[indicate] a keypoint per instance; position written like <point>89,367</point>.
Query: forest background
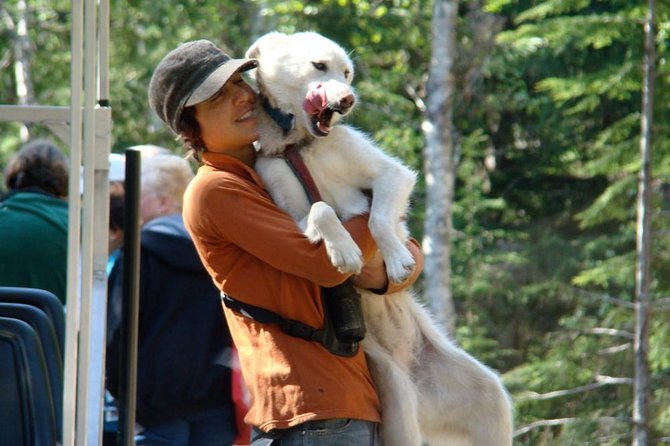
<point>546,125</point>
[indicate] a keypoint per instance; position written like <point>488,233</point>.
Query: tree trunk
<point>439,165</point>
<point>22,52</point>
<point>643,267</point>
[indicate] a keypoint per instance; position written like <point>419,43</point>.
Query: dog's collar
<point>285,121</point>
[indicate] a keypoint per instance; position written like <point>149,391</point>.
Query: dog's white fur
<point>430,389</point>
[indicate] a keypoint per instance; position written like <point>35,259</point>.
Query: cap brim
<point>217,79</point>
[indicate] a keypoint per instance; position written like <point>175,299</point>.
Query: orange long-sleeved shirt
<point>256,253</point>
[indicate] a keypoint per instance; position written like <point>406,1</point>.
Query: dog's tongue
<point>315,100</point>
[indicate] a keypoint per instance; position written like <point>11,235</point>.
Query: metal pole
<point>130,306</point>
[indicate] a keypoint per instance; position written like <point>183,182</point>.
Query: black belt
<point>327,336</point>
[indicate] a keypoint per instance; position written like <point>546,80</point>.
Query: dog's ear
<point>265,43</point>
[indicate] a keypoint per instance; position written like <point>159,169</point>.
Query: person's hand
<point>373,275</point>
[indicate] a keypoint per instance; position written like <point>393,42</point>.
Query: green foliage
<point>578,64</point>
<point>547,119</point>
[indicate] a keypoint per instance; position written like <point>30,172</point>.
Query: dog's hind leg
<point>397,393</point>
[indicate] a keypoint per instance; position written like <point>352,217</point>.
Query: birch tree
<point>22,54</point>
<point>643,266</point>
<point>439,165</point>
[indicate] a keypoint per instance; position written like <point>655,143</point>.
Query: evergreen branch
<point>543,423</point>
<point>656,303</point>
<point>562,421</point>
<point>605,297</point>
<point>412,93</point>
<point>601,381</point>
<point>604,379</point>
<point>610,332</point>
<point>615,349</point>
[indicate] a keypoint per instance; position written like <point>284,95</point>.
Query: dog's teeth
<point>322,127</point>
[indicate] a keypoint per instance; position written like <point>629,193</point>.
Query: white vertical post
<point>97,134</point>
<point>103,49</point>
<point>85,412</point>
<point>100,235</point>
<point>98,307</point>
<point>74,224</point>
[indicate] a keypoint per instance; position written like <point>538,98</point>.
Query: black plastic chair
<point>40,322</point>
<point>45,300</point>
<point>27,416</point>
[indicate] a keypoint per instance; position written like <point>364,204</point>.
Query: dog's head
<point>305,75</point>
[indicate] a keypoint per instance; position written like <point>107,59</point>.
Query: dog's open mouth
<point>320,108</point>
<point>321,122</point>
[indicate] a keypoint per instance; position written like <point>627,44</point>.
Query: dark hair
<point>117,196</point>
<point>39,165</point>
<point>190,134</point>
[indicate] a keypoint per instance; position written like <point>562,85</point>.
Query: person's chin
<point>251,126</point>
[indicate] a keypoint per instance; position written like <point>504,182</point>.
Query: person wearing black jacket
<point>184,347</point>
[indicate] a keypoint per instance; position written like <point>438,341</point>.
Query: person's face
<point>115,239</point>
<point>153,206</point>
<point>228,119</point>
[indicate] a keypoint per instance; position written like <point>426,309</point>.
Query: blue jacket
<point>183,343</point>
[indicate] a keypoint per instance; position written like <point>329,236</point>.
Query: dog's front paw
<point>345,255</point>
<point>400,265</point>
<point>322,224</point>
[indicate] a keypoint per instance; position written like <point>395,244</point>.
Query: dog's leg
<point>462,401</point>
<point>390,195</point>
<point>322,224</point>
<point>397,394</point>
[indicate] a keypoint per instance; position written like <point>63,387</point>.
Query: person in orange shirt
<point>301,392</point>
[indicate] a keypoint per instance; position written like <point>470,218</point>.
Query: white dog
<point>430,389</point>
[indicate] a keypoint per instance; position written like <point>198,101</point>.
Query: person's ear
<point>166,204</point>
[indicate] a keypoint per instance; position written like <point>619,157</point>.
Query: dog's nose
<point>347,101</point>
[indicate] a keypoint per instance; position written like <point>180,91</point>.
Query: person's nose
<point>246,94</point>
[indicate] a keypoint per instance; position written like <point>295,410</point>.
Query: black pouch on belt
<point>344,310</point>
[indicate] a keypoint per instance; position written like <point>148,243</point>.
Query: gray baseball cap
<point>191,73</point>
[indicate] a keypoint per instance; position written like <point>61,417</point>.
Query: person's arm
<point>373,276</point>
<point>225,209</point>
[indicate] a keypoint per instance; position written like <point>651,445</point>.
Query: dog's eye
<point>346,74</point>
<point>320,66</point>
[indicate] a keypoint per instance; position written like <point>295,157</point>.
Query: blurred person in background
<point>117,164</point>
<point>34,219</point>
<point>185,352</point>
